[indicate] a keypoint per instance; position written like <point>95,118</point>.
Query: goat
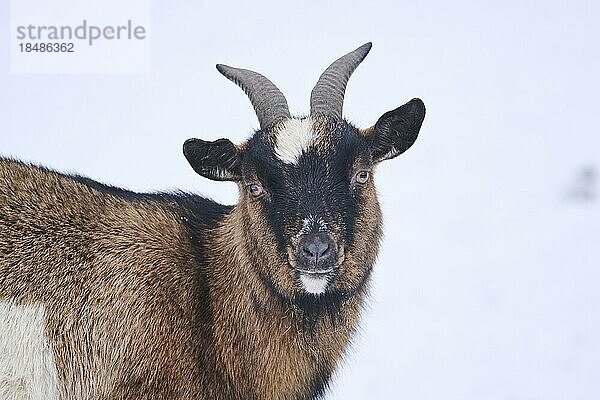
<point>111,294</point>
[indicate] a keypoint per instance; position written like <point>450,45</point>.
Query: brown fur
<point>138,307</point>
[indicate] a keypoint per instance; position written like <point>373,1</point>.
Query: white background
<point>488,282</point>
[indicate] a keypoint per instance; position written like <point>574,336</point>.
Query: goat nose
<point>316,249</point>
<point>316,252</point>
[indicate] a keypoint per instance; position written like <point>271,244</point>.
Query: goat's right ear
<point>218,160</point>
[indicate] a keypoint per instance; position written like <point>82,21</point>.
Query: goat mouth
<point>319,272</point>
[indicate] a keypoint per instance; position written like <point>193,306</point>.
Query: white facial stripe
<point>294,137</point>
<point>314,284</point>
<point>27,368</point>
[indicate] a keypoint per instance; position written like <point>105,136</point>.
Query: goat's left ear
<point>396,130</point>
<point>218,160</point>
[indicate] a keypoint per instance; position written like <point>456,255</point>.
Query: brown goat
<point>110,294</point>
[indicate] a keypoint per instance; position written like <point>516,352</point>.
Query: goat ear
<point>396,130</point>
<point>218,160</point>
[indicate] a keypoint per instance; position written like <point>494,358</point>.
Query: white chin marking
<point>27,368</point>
<point>293,138</point>
<point>314,284</point>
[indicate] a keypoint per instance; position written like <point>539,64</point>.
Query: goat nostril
<point>307,253</point>
<point>324,250</point>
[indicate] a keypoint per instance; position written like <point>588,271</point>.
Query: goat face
<point>311,218</point>
<point>308,208</point>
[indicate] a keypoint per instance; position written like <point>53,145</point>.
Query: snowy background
<point>488,283</point>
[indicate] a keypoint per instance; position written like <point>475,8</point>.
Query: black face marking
<point>318,186</point>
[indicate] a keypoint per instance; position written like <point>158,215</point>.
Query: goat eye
<point>362,177</point>
<point>255,190</point>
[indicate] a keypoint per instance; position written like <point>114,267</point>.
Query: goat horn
<point>269,103</point>
<point>327,97</point>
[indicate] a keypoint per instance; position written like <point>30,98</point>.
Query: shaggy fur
<point>107,294</point>
<point>155,296</point>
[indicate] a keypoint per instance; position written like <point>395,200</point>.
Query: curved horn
<point>327,97</point>
<point>268,101</point>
